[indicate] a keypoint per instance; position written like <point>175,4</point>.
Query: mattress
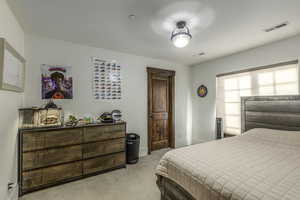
<point>262,164</point>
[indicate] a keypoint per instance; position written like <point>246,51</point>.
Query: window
<point>281,79</point>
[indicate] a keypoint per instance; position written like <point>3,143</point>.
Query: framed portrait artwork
<point>57,82</point>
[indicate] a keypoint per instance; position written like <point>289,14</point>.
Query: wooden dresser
<point>52,156</point>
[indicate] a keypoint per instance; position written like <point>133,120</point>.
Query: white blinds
<point>282,80</point>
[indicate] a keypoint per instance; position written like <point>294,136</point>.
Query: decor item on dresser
<point>85,120</point>
<point>106,118</point>
<point>106,79</point>
<point>52,156</point>
<point>40,117</point>
<point>116,115</point>
<point>12,68</point>
<point>72,121</point>
<point>202,91</point>
<point>50,104</point>
<point>57,82</point>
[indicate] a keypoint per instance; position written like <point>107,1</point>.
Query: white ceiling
<point>219,27</point>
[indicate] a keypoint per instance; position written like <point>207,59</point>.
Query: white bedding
<point>262,164</point>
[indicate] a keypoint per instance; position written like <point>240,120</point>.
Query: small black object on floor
<point>132,148</point>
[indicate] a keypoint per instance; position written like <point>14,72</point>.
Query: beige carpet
<point>136,182</point>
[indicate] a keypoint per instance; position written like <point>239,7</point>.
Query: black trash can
<point>132,148</point>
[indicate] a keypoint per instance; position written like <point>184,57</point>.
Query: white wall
<point>41,50</point>
<point>9,104</point>
<point>204,109</point>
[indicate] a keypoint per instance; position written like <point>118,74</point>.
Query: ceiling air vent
<point>199,54</point>
<point>273,28</point>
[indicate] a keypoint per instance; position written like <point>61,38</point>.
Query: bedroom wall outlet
<point>10,186</point>
<point>12,191</point>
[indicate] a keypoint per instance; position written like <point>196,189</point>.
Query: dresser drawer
<point>103,163</point>
<point>46,139</point>
<point>44,158</point>
<point>102,148</point>
<point>92,134</point>
<point>50,175</point>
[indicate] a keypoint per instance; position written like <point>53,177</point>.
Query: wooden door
<point>160,109</point>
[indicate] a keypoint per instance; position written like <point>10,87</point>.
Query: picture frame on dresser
<point>12,68</point>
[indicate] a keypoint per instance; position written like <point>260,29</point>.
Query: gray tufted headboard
<point>275,112</point>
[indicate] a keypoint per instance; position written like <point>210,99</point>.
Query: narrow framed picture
<point>106,79</point>
<point>12,68</point>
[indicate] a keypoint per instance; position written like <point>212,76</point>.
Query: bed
<point>261,164</point>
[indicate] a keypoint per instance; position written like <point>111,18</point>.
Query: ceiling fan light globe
<point>181,40</point>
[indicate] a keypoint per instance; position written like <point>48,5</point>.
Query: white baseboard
<point>143,152</point>
<point>198,141</point>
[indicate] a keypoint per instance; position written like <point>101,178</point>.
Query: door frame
<point>171,75</point>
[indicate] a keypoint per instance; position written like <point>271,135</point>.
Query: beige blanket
<point>262,164</point>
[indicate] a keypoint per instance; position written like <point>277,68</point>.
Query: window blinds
<point>279,80</point>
